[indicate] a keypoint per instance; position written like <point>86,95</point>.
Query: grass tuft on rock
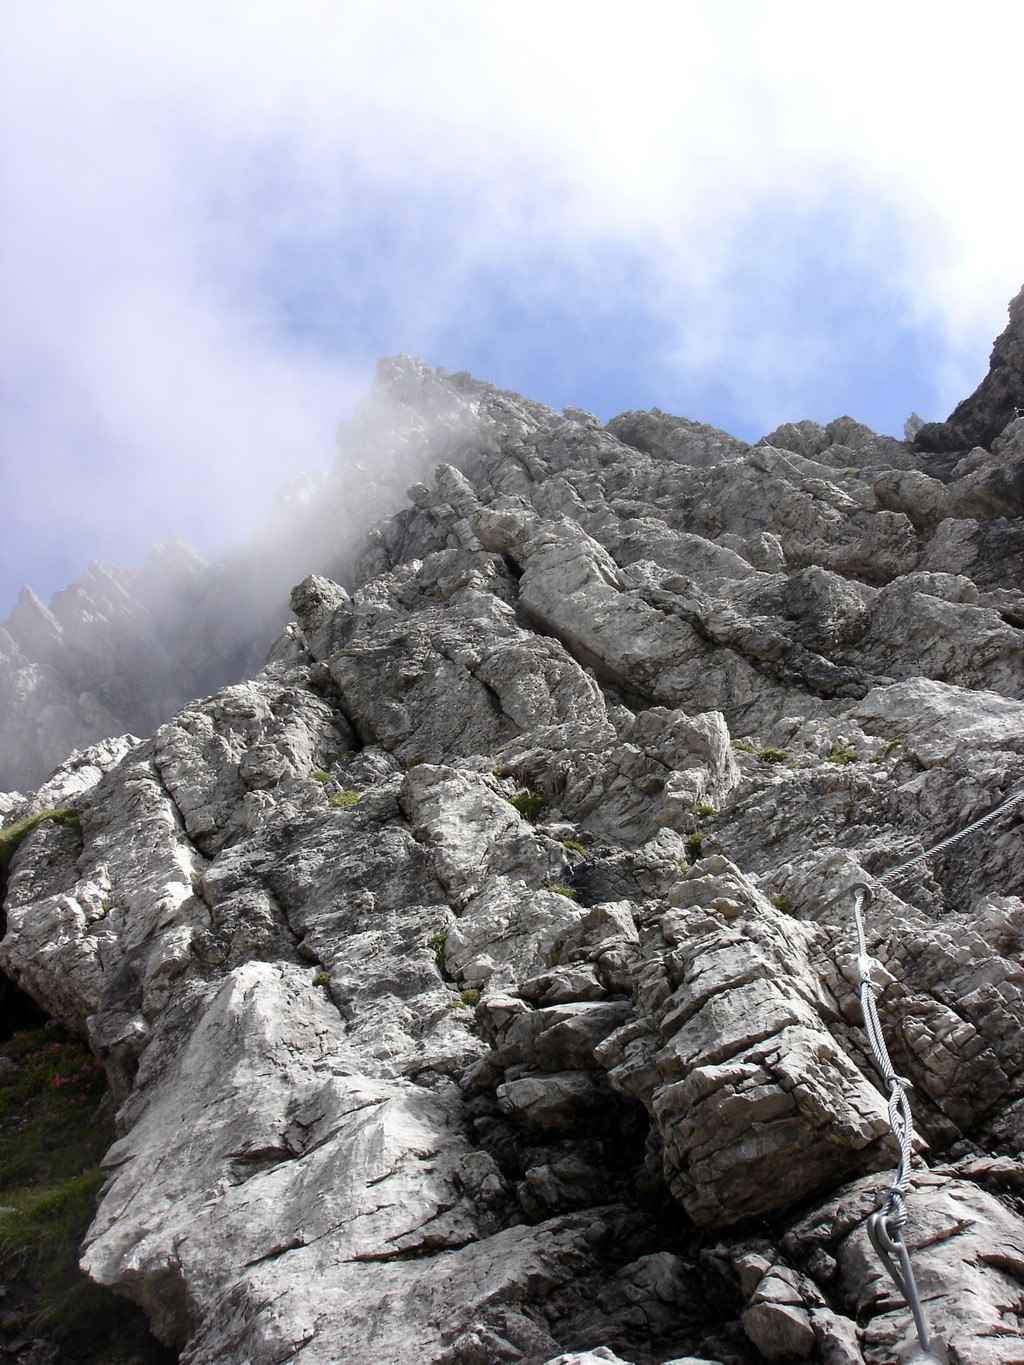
<point>12,835</point>
<point>51,1145</point>
<point>436,944</point>
<point>694,843</point>
<point>530,805</point>
<point>560,890</point>
<point>841,752</point>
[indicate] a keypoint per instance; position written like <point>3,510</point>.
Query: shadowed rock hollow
<point>477,982</point>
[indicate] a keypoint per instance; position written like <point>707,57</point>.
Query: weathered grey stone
<point>566,1102</point>
<point>472,830</point>
<point>675,438</point>
<point>932,624</point>
<point>518,886</point>
<point>943,725</point>
<point>836,1338</point>
<point>780,1331</point>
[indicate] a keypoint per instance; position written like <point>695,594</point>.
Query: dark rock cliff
<point>978,420</point>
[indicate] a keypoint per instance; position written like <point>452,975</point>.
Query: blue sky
<point>215,217</point>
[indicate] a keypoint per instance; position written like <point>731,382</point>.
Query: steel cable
<point>885,1226</point>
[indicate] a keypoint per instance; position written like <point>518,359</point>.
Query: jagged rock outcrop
<point>478,982</point>
<point>120,649</point>
<point>997,400</point>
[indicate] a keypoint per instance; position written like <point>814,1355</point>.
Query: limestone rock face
<point>478,982</point>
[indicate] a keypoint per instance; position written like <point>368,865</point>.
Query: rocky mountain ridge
<point>479,983</point>
<point>117,650</point>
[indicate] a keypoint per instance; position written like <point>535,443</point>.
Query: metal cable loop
<point>886,1224</point>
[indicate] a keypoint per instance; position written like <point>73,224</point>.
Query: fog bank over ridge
<point>119,649</point>
<point>217,217</point>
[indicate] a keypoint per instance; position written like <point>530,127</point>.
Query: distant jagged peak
<point>99,584</point>
<point>29,603</point>
<point>105,587</point>
<point>174,555</point>
<point>32,625</point>
<point>101,592</point>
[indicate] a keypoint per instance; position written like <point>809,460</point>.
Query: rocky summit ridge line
<point>478,982</point>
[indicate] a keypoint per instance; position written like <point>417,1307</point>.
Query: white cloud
<point>161,161</point>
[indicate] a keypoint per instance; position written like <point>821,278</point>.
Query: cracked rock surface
<point>478,982</point>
